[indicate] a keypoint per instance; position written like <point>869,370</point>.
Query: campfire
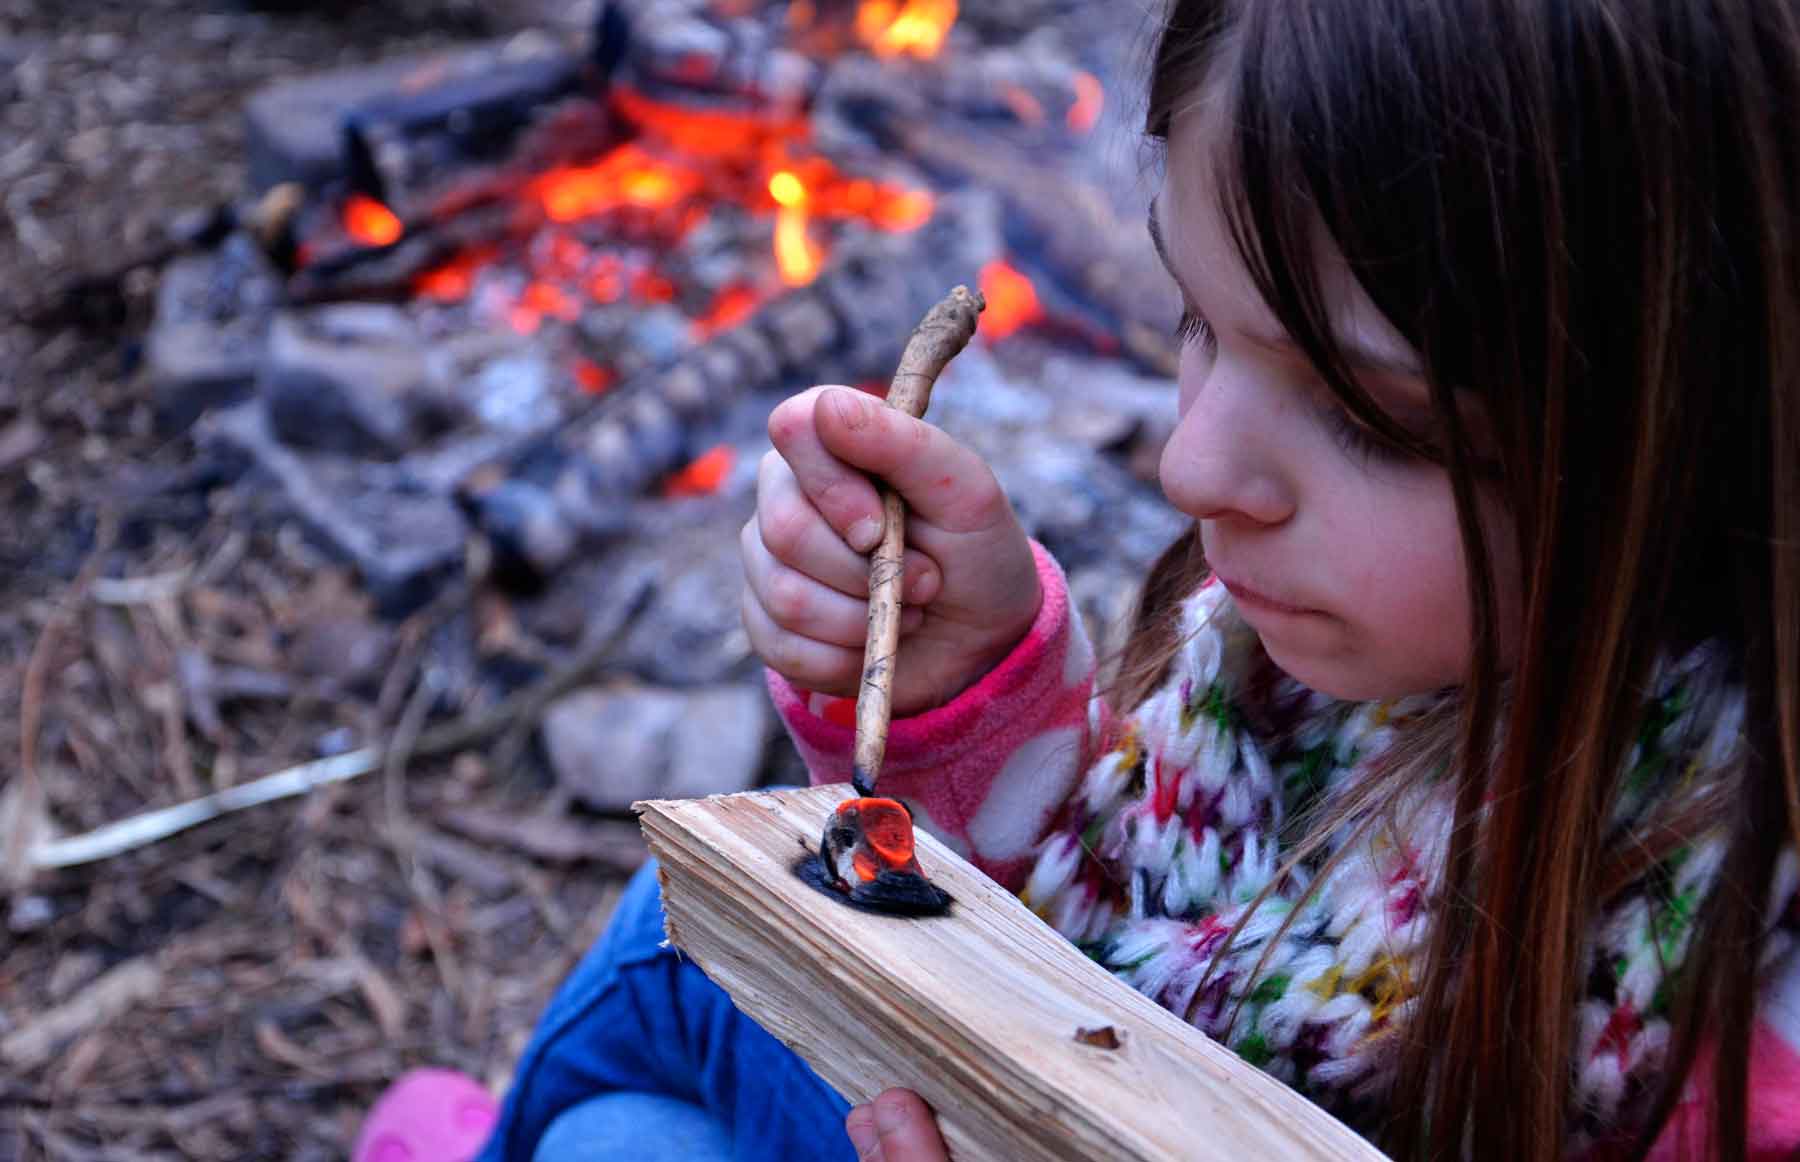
<point>534,286</point>
<point>461,403</point>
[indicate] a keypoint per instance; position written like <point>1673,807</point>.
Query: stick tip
<point>976,299</point>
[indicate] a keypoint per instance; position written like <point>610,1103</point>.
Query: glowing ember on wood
<point>1012,301</point>
<point>371,223</point>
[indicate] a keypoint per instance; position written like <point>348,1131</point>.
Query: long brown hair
<point>1586,212</point>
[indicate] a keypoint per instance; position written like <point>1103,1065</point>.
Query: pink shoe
<point>428,1115</point>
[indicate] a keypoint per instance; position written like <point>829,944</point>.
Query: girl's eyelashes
<point>1196,330</point>
<point>1358,440</point>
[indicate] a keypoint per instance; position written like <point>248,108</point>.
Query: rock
<point>610,748</point>
<point>532,539</point>
<point>349,378</point>
<point>205,342</point>
<point>402,540</point>
<point>513,393</point>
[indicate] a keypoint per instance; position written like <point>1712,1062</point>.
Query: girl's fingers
<point>906,1128</point>
<point>798,534</point>
<point>859,1123</point>
<point>795,534</point>
<point>843,496</point>
<point>807,661</point>
<point>942,481</point>
<point>800,604</point>
<point>815,665</point>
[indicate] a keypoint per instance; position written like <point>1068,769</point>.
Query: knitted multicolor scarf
<point>1179,825</point>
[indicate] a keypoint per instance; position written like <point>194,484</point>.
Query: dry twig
<point>151,826</point>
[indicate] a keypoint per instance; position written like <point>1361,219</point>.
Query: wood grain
<point>990,1015</point>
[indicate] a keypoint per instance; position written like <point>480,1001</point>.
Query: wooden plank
<point>978,1011</point>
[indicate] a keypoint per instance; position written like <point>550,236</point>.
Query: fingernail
<point>860,1125</point>
<point>889,1115</point>
<point>864,534</point>
<point>850,408</point>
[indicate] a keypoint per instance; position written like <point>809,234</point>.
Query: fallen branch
<point>152,826</point>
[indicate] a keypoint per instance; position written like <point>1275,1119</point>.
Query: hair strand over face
<point>1583,214</point>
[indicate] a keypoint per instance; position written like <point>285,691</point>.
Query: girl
<point>1451,769</point>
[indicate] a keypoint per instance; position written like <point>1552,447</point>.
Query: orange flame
<point>733,306</point>
<point>628,176</point>
<point>667,181</point>
<point>452,281</point>
<point>370,222</point>
<point>1090,98</point>
<point>797,256</point>
<point>705,475</point>
<point>905,27</point>
<point>712,133</point>
<point>1012,301</point>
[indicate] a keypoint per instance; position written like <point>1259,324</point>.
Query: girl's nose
<point>1223,461</point>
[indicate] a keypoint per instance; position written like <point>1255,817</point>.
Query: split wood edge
<point>990,1015</point>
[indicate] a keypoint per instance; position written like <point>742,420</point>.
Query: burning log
<point>391,270</point>
<point>410,141</point>
<point>847,325</point>
<point>1070,226</point>
<point>676,48</point>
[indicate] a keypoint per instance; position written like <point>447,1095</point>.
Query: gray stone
<point>513,393</point>
<point>610,748</point>
<point>1083,505</point>
<point>1103,402</point>
<point>350,378</point>
<point>402,540</point>
<point>802,328</point>
<point>206,339</point>
<point>531,536</point>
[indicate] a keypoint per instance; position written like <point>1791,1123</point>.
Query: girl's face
<point>1343,555</point>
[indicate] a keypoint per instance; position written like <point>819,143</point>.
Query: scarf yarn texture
<point>1184,820</point>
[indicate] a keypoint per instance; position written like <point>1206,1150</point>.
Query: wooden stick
<point>525,704</point>
<point>944,331</point>
<point>1024,1047</point>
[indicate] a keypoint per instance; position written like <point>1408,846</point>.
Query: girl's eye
<point>1196,330</point>
<point>1358,440</point>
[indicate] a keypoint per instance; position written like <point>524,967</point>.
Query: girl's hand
<point>896,1127</point>
<point>970,586</point>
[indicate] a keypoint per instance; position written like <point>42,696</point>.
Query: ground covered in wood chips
<point>246,989</point>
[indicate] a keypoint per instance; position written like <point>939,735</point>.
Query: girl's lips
<point>1250,598</point>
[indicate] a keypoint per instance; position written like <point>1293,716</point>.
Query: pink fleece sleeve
<point>1774,1089</point>
<point>987,771</point>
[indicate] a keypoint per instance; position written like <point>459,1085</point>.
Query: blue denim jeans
<point>641,1057</point>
